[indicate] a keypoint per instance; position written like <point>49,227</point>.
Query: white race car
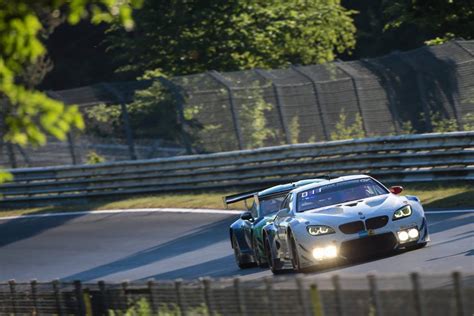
<point>342,218</point>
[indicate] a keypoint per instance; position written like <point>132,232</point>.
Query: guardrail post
<point>338,295</point>
<point>104,305</point>
<point>240,297</point>
<point>318,101</point>
<point>124,293</point>
<point>458,293</point>
<point>12,286</point>
<point>279,104</point>
<point>206,283</point>
<point>235,118</point>
<point>11,155</point>
<point>34,296</point>
<point>151,297</point>
<point>178,285</point>
<point>417,296</point>
<point>72,148</point>
<point>316,300</point>
<point>57,296</point>
<point>125,117</point>
<point>79,294</point>
<point>270,295</point>
<point>374,295</point>
<point>302,296</point>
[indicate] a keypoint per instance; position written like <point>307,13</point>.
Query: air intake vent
<point>376,222</point>
<point>352,227</point>
<point>366,246</point>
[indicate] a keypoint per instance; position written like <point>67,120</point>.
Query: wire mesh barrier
<point>412,294</point>
<point>408,158</point>
<point>214,112</point>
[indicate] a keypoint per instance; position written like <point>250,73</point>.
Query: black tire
<point>258,260</point>
<point>295,258</point>
<point>270,259</point>
<point>238,256</point>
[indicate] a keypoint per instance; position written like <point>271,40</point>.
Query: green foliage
<point>103,120</point>
<point>407,128</point>
<point>143,308</point>
<point>253,122</point>
<point>440,40</point>
<point>29,115</point>
<point>442,19</point>
<point>344,130</point>
<point>5,176</point>
<point>94,158</point>
<point>185,37</point>
<point>294,128</point>
<point>153,113</point>
<point>442,125</point>
<point>468,121</point>
<point>103,113</point>
<point>140,308</point>
<point>251,116</point>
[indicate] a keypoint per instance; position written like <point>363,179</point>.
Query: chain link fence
<point>213,112</point>
<point>412,294</point>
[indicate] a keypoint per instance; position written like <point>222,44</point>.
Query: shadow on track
<point>22,228</point>
<point>222,267</point>
<point>205,236</point>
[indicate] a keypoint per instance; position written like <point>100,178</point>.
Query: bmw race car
<point>343,218</point>
<point>246,232</point>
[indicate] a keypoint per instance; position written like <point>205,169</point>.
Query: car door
<point>281,223</point>
<point>248,224</point>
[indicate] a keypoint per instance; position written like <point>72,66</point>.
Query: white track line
<point>138,210</point>
<point>169,210</point>
<point>449,212</point>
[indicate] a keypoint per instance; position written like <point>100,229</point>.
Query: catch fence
<point>214,112</point>
<point>407,294</point>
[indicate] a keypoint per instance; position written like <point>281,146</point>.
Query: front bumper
<point>368,246</point>
<point>363,243</point>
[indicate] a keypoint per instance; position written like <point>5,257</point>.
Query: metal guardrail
<point>412,294</point>
<point>407,158</point>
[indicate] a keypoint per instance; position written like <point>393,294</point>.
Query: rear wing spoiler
<point>230,199</point>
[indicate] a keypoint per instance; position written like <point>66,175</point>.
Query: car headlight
<point>402,212</point>
<point>318,230</point>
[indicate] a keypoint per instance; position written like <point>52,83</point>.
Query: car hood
<point>355,210</point>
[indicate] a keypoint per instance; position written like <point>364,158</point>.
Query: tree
<point>27,116</point>
<point>439,19</point>
<point>184,37</point>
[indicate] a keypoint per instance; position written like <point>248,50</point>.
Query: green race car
<point>246,232</point>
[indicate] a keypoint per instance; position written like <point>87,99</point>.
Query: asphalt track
<point>117,246</point>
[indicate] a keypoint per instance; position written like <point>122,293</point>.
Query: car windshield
<point>270,205</point>
<point>337,193</point>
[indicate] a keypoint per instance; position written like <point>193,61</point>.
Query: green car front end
<point>246,233</point>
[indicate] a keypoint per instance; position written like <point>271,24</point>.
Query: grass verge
<point>433,196</point>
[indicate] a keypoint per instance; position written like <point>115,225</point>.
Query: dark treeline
<point>176,37</point>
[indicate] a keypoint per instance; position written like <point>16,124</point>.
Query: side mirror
<point>396,189</point>
<point>246,216</point>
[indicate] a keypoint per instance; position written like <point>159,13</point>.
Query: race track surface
<point>138,246</point>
